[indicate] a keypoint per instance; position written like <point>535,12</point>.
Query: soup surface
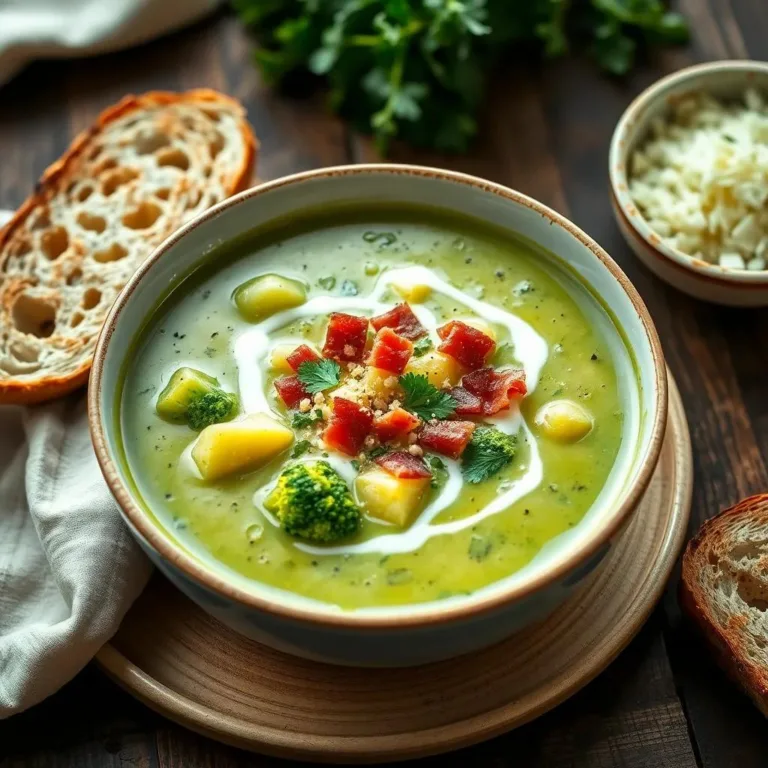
<point>534,397</point>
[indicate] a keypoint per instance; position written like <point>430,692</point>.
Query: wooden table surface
<point>663,702</point>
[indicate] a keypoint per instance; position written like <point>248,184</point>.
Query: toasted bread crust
<point>727,640</point>
<point>60,173</point>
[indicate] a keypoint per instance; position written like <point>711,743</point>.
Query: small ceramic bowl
<point>400,635</point>
<point>711,282</point>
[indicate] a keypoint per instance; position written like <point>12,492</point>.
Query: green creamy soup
<point>463,535</point>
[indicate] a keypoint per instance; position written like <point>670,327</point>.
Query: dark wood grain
<point>546,132</point>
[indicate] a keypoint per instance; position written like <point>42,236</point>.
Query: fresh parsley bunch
<point>417,69</point>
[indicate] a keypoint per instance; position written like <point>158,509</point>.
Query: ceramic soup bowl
<point>404,634</point>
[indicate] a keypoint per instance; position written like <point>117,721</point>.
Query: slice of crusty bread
<point>146,166</point>
<point>724,589</point>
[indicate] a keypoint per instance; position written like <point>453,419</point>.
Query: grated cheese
<point>701,180</point>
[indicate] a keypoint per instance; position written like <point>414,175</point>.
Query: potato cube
<point>278,359</point>
<point>564,421</point>
<point>265,295</point>
<point>437,367</point>
<point>375,381</point>
<point>389,498</point>
<point>413,293</point>
<point>186,385</point>
<point>239,446</point>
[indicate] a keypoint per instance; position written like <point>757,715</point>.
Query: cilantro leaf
<point>302,420</point>
<point>319,375</point>
<point>424,399</point>
<point>422,346</point>
<point>488,452</point>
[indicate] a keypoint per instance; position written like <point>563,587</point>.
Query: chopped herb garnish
<point>374,453</point>
<point>301,447</point>
<point>399,576</point>
<point>479,547</point>
<point>302,420</point>
<point>439,472</point>
<point>488,452</point>
<point>383,238</point>
<point>435,462</point>
<point>319,375</point>
<point>424,399</point>
<point>327,282</point>
<point>422,346</point>
<point>348,288</point>
<point>355,465</point>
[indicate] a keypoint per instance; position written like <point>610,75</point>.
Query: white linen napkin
<point>35,29</point>
<point>69,568</point>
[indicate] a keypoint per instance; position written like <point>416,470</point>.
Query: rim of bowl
<point>430,613</point>
<point>618,159</point>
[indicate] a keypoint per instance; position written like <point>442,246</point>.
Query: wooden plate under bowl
<point>192,669</point>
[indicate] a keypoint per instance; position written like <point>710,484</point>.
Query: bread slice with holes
<point>724,589</point>
<point>148,164</point>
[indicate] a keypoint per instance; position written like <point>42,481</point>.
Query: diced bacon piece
<point>468,403</point>
<point>495,388</point>
<point>403,465</point>
<point>390,352</point>
<point>291,390</point>
<point>349,426</point>
<point>402,321</point>
<point>447,437</point>
<point>302,354</point>
<point>465,344</point>
<point>345,337</point>
<point>395,424</point>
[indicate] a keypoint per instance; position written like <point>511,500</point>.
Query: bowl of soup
<point>378,415</point>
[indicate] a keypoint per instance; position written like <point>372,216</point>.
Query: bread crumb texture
<point>148,165</point>
<point>724,589</point>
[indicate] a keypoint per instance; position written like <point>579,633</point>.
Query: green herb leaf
<point>424,399</point>
<point>355,465</point>
<point>435,462</point>
<point>303,420</point>
<point>479,548</point>
<point>319,375</point>
<point>399,576</point>
<point>300,448</point>
<point>439,472</point>
<point>488,452</point>
<point>379,450</point>
<point>382,238</point>
<point>418,70</point>
<point>422,346</point>
<point>327,282</point>
<point>348,288</point>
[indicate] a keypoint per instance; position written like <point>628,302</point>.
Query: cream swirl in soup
<point>376,407</point>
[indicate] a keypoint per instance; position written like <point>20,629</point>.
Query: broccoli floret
<point>313,502</point>
<point>488,452</point>
<point>211,408</point>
